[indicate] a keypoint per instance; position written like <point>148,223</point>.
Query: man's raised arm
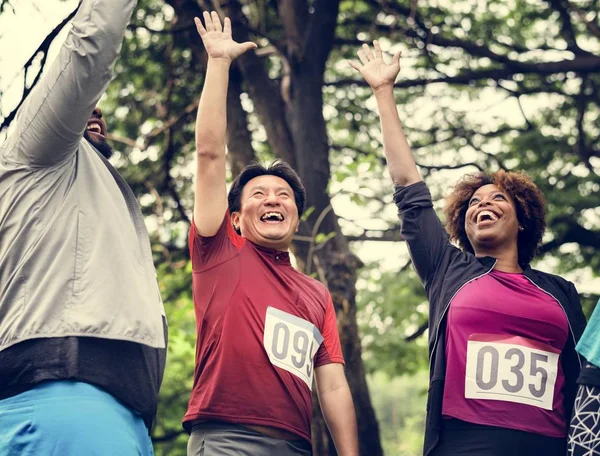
<point>52,120</point>
<point>211,123</point>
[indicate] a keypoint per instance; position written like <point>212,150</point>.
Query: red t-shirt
<point>504,337</point>
<point>259,323</point>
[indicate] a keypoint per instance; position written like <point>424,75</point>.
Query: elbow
<point>403,180</point>
<point>209,151</point>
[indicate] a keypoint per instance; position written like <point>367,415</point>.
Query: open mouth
<point>95,126</point>
<point>272,217</point>
<point>486,217</point>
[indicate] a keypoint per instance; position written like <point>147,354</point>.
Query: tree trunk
<point>292,116</point>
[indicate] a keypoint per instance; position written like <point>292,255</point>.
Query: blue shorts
<point>67,418</point>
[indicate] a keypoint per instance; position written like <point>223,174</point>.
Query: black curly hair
<point>529,203</point>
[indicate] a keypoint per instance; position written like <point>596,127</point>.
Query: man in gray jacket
<point>82,327</point>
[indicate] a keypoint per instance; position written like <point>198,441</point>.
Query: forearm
<point>401,164</point>
<point>211,132</point>
<point>338,411</point>
<point>53,119</point>
<point>211,121</point>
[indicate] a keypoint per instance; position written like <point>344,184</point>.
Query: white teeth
<point>271,215</point>
<point>94,127</point>
<point>490,214</point>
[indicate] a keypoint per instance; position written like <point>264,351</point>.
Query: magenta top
<point>504,336</point>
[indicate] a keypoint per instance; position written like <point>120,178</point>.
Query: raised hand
<point>376,72</point>
<point>217,38</point>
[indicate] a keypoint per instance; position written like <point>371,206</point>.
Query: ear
<point>235,220</point>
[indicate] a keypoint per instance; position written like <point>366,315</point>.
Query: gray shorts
<point>224,439</point>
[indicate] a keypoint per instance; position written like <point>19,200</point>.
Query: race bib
<point>512,369</point>
<point>291,343</point>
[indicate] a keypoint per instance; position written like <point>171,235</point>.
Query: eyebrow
<point>277,189</point>
<point>495,192</point>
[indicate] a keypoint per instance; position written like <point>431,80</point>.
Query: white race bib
<point>511,368</point>
<point>291,343</point>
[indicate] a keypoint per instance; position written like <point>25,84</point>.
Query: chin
<point>101,146</point>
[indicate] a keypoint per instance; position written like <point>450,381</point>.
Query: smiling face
<point>95,133</point>
<point>268,215</point>
<point>491,220</point>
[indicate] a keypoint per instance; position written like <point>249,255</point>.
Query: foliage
<point>392,308</point>
<point>400,406</point>
<point>502,84</point>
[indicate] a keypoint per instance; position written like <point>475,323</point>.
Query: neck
<point>507,260</point>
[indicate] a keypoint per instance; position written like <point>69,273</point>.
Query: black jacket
<point>444,270</point>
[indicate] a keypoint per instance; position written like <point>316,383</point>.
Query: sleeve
<point>51,122</point>
<point>330,350</point>
<point>207,252</point>
<point>427,240</point>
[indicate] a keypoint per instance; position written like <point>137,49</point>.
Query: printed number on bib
<point>513,369</point>
<point>291,343</point>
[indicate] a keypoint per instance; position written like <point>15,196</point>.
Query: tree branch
<point>418,332</point>
<point>43,49</point>
<point>575,233</point>
<point>578,64</point>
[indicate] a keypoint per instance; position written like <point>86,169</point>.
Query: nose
<point>485,201</point>
<point>271,199</point>
<point>97,112</point>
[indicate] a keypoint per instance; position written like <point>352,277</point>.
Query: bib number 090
<point>302,347</point>
<point>291,343</point>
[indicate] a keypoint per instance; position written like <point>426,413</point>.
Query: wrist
<point>220,61</point>
<point>383,89</point>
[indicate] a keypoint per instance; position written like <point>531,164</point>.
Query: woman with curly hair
<point>503,365</point>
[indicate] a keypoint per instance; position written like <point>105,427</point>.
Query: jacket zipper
<point>566,316</point>
<point>437,334</point>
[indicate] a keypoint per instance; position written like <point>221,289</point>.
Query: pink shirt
<point>503,341</point>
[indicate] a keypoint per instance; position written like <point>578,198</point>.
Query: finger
<point>362,57</point>
<point>208,22</point>
<point>378,53</point>
<point>354,64</point>
<point>227,26</point>
<point>368,53</point>
<point>216,21</point>
<point>248,46</point>
<point>199,26</point>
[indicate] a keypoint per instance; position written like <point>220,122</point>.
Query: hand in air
<point>217,38</point>
<point>376,72</point>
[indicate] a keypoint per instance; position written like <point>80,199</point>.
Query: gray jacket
<point>75,256</point>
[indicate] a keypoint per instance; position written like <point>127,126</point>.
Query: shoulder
<point>314,288</point>
<point>553,284</point>
<point>314,284</point>
<point>553,279</point>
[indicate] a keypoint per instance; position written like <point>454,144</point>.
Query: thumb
<point>396,58</point>
<point>248,46</point>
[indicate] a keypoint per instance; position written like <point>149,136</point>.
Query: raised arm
<point>52,120</point>
<point>211,123</point>
<point>381,77</point>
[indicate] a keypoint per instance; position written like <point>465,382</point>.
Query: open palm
<point>217,39</point>
<point>373,67</point>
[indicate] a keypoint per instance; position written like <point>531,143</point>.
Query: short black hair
<point>277,168</point>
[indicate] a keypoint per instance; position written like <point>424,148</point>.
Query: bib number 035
<point>291,343</point>
<point>513,369</point>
